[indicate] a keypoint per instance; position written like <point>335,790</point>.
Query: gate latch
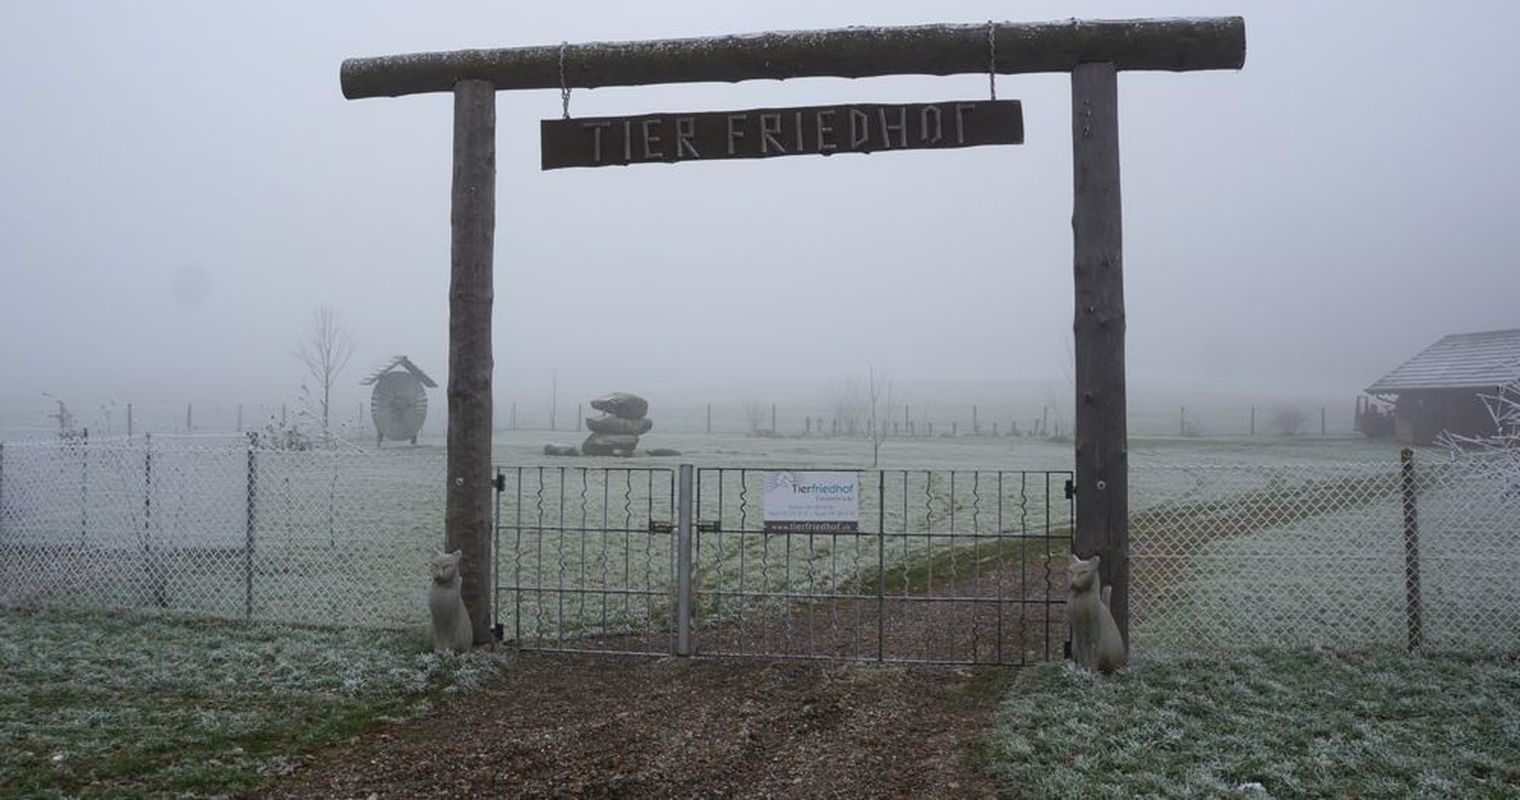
<point>656,526</point>
<point>711,526</point>
<point>1071,488</point>
<point>500,482</point>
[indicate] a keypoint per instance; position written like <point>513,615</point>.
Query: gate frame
<point>1093,52</point>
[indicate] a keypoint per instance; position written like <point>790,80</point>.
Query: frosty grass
<point>110,704</point>
<point>1299,724</point>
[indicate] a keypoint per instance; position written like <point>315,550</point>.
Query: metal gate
<point>943,566</point>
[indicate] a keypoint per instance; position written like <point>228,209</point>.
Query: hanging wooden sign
<point>774,132</point>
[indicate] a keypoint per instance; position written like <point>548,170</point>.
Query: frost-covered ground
<point>120,705</point>
<point>1287,724</point>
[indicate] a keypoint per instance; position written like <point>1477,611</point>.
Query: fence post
<point>684,513</point>
<point>1411,551</point>
<point>155,575</point>
<point>84,488</point>
<point>2,486</point>
<point>253,442</point>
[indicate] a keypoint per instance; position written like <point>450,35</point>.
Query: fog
<point>182,184</point>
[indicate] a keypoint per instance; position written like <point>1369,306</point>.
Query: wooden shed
<point>1442,388</point>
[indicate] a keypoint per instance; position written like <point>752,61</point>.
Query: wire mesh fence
<point>1223,556</point>
<point>1360,556</point>
<point>219,528</point>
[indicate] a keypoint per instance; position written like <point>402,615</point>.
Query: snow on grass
<point>110,704</point>
<point>1288,724</point>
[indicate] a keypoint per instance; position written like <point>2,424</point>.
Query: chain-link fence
<point>1223,556</point>
<point>219,528</point>
<point>1356,556</point>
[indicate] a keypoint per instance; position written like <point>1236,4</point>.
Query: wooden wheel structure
<point>398,403</point>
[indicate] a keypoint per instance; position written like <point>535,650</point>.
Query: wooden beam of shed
<point>1175,45</point>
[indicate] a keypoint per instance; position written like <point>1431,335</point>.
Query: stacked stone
<point>617,431</point>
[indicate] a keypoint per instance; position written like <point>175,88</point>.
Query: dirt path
<point>591,726</point>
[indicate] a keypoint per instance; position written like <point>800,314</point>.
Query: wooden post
<point>1321,420</point>
<point>773,417</point>
<point>709,417</point>
<point>1182,420</point>
<point>467,514</point>
<point>976,424</point>
<point>1253,420</point>
<point>129,420</point>
<point>1102,457</point>
<point>189,421</point>
<point>1412,612</point>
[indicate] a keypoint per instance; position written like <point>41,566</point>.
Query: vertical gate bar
<point>582,589</point>
<point>1070,531</point>
<point>1000,556</point>
<point>1102,460</point>
<point>499,485</point>
<point>924,605</point>
<point>606,499</point>
<point>538,563</point>
<point>683,562</point>
<point>472,223</point>
<point>976,564</point>
<point>559,538</point>
<point>517,583</point>
<point>1411,551</point>
<point>881,564</point>
<point>954,591</point>
<point>253,440</point>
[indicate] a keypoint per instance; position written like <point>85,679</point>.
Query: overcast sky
<point>182,183</point>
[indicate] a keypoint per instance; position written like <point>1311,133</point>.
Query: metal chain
<point>992,59</point>
<point>564,89</point>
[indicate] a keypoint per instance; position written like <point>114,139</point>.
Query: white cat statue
<point>1095,640</point>
<point>451,622</point>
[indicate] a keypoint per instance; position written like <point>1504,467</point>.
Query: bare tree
<point>880,393</point>
<point>1501,448</point>
<point>1290,420</point>
<point>850,405</point>
<point>754,415</point>
<point>325,350</point>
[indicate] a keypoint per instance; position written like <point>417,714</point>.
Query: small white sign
<point>812,502</point>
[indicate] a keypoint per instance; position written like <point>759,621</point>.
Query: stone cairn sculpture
<point>617,431</point>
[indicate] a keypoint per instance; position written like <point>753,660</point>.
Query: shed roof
<point>406,364</point>
<point>1484,360</point>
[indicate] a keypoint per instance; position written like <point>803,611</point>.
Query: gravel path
<point>590,726</point>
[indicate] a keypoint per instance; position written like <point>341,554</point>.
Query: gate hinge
<point>1071,488</point>
<point>500,482</point>
<point>499,631</point>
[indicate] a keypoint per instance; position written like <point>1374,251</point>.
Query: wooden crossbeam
<point>1176,45</point>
